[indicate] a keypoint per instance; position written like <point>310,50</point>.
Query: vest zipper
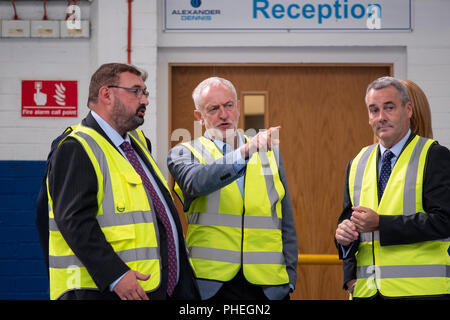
<point>374,264</point>
<point>242,240</point>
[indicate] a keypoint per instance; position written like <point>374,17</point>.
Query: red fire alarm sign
<point>49,98</point>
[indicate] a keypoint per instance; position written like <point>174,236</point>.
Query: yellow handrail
<point>320,259</point>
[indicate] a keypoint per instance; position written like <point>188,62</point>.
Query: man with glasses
<point>114,229</point>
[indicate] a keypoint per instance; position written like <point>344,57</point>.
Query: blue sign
<point>362,15</point>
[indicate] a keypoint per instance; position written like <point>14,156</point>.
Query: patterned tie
<point>385,171</point>
<point>160,210</point>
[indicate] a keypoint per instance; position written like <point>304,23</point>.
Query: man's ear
<point>198,116</point>
<point>105,95</point>
<point>409,108</point>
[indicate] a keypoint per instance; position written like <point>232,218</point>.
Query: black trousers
<point>240,289</point>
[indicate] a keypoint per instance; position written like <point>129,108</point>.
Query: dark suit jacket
<point>400,229</point>
<point>73,188</point>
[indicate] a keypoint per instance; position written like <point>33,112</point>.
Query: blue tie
<point>385,172</point>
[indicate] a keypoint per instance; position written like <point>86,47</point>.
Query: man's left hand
<point>365,219</point>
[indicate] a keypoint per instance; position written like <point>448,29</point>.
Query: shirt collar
<point>112,134</point>
<point>398,147</point>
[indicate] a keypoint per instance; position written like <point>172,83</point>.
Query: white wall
<point>68,59</point>
<point>28,59</point>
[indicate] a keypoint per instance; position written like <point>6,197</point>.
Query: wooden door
<point>324,123</point>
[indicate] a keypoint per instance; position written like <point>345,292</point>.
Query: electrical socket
<point>15,28</point>
<point>45,28</point>
<point>83,32</point>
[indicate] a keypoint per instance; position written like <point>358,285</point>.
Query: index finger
<point>275,128</point>
<point>272,130</point>
<point>360,209</point>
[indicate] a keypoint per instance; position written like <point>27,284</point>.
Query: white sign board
<point>360,15</point>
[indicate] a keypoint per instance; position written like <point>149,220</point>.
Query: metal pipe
<point>129,32</point>
<point>319,259</point>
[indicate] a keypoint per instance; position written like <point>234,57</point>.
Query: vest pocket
<point>120,236</point>
<point>132,195</point>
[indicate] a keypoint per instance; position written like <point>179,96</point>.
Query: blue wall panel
<point>23,274</point>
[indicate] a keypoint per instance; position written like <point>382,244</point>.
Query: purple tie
<point>160,210</point>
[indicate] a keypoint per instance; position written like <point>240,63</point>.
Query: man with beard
<point>114,229</point>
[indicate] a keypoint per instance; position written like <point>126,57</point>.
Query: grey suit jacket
<point>196,179</point>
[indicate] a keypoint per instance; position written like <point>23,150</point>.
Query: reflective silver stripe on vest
<point>265,164</point>
<point>360,174</point>
<point>231,220</point>
<point>136,136</point>
<point>108,199</point>
<point>370,236</point>
<point>270,184</point>
<point>367,236</point>
<point>409,193</point>
<point>117,219</point>
<point>213,201</point>
<point>263,257</point>
<point>150,253</point>
<point>202,150</point>
<point>404,271</point>
<point>230,256</point>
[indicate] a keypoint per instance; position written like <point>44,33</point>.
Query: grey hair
<point>211,82</point>
<point>385,82</point>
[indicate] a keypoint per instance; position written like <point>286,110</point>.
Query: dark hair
<point>108,75</point>
<point>385,82</point>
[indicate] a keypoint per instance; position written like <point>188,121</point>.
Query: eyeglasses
<point>138,92</point>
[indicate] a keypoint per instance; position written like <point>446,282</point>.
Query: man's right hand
<point>128,287</point>
<point>351,285</point>
<point>263,141</point>
<point>346,233</point>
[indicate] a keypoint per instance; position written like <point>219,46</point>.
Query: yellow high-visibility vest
<point>226,232</point>
<point>415,269</point>
<point>124,215</point>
